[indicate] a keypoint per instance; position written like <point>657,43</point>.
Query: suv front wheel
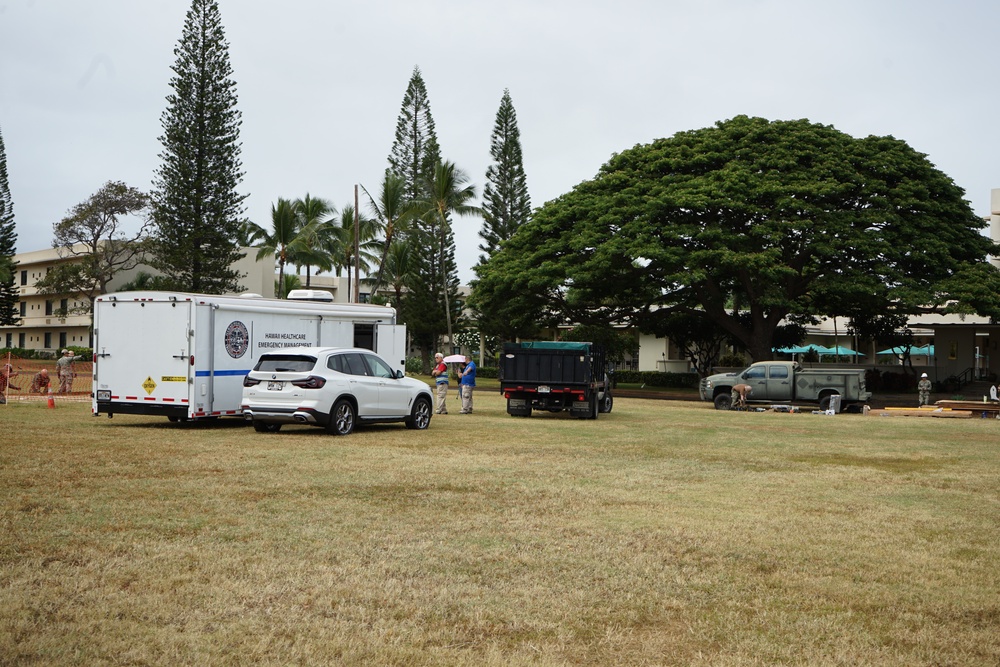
<point>420,417</point>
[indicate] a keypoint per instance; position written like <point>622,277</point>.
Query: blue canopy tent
<point>841,351</point>
<point>803,349</point>
<point>924,351</point>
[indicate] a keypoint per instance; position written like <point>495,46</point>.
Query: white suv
<point>334,387</point>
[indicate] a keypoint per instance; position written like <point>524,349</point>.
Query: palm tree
<point>284,230</point>
<point>399,267</point>
<point>449,192</point>
<point>393,211</point>
<point>309,252</point>
<point>337,239</point>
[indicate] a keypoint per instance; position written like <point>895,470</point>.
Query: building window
<point>23,308</point>
<point>24,277</point>
<point>64,306</point>
<point>48,340</point>
<point>20,340</point>
<point>48,309</point>
<point>10,340</point>
<point>62,339</point>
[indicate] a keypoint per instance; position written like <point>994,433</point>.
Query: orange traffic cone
<point>52,400</point>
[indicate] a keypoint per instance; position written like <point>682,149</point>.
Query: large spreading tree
<point>9,314</point>
<point>198,212</point>
<point>94,234</point>
<point>747,223</point>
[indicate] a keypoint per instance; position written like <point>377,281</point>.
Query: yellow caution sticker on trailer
<point>149,385</point>
<point>173,378</point>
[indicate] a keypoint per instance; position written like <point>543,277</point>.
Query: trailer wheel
<point>341,418</point>
<point>420,418</point>
<point>723,401</point>
<point>606,403</point>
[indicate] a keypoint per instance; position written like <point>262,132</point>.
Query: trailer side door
<point>390,344</point>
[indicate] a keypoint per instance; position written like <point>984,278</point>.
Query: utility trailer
<point>555,376</point>
<point>184,356</point>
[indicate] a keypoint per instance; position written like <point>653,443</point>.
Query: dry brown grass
<point>665,533</point>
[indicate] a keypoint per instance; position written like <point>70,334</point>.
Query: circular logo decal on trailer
<point>237,339</point>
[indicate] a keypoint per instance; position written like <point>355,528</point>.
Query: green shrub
<point>733,361</point>
<point>658,379</point>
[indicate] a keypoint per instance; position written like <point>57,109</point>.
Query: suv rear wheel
<point>342,418</point>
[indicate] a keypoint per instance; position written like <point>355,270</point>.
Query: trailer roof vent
<point>310,295</point>
<point>251,295</point>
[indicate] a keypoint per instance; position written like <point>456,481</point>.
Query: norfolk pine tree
<point>197,210</point>
<point>414,155</point>
<point>506,204</point>
<point>9,315</point>
<point>415,149</point>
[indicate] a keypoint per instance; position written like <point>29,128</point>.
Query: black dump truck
<point>555,376</point>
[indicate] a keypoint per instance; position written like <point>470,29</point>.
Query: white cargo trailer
<point>184,356</point>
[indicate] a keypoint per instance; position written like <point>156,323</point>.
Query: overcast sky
<point>320,85</point>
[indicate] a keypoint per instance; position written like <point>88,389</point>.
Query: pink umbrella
<point>454,359</point>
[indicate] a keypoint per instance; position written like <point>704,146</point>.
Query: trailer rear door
<point>146,374</point>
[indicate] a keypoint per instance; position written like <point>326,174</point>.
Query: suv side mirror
<point>399,374</point>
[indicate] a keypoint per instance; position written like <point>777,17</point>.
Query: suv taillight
<point>311,382</point>
<point>250,382</point>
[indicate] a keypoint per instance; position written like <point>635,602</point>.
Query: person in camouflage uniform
<point>64,367</point>
<point>41,382</point>
<point>924,389</point>
<point>5,375</point>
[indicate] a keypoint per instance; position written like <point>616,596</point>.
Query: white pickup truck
<point>787,382</point>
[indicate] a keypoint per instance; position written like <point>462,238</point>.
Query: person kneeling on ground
<point>41,382</point>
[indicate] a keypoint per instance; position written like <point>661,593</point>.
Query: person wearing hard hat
<point>924,389</point>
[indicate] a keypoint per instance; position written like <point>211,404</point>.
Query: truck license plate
<point>275,386</point>
<point>542,389</point>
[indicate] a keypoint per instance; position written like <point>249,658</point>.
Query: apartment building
<point>52,322</point>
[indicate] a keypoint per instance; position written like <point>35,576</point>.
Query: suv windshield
<point>286,362</point>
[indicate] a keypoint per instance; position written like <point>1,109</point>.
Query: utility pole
<point>357,247</point>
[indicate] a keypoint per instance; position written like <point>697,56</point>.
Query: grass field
<point>664,533</point>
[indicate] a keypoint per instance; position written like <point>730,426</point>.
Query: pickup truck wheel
<point>607,403</point>
<point>723,401</point>
<point>824,401</point>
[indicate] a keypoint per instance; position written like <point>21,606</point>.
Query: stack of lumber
<point>925,411</point>
<point>991,409</point>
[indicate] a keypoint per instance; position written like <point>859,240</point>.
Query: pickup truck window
<point>755,372</point>
<point>778,372</point>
